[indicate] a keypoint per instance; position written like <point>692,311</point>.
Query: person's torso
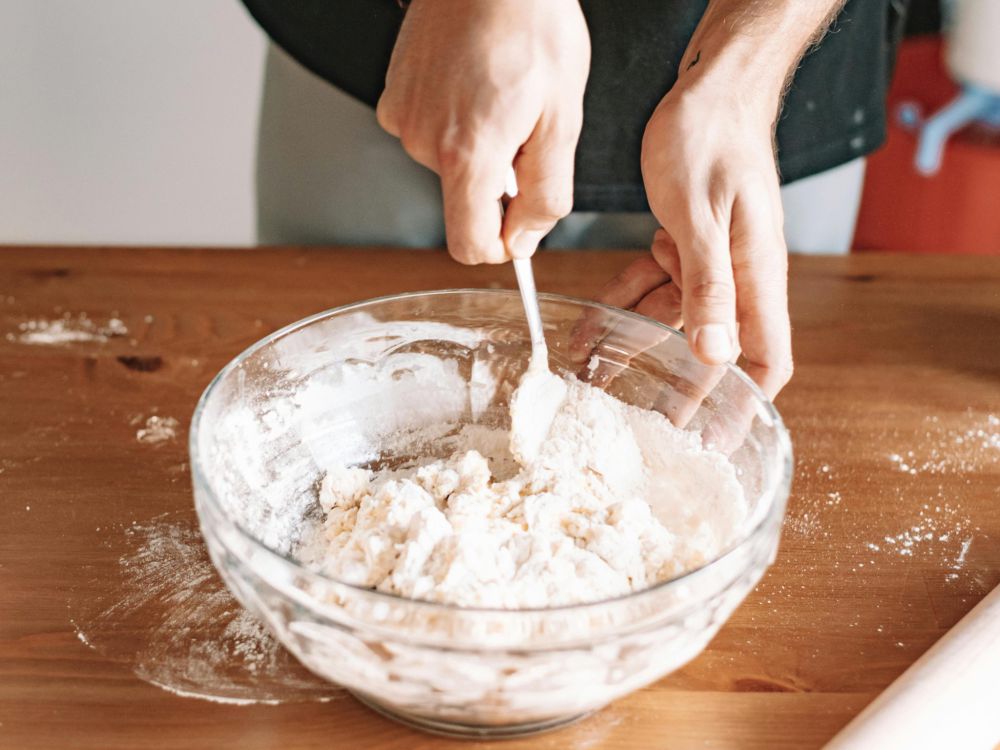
<point>834,110</point>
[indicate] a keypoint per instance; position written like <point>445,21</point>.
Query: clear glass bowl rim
<point>774,494</point>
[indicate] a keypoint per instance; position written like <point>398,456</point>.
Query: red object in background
<point>956,210</point>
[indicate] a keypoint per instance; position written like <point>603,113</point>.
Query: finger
<point>667,256</point>
<point>471,187</point>
<point>662,304</point>
<point>760,269</point>
<point>709,291</point>
<point>692,382</point>
<point>618,348</point>
<point>385,114</point>
<point>637,280</point>
<point>607,359</point>
<point>416,142</point>
<point>667,305</point>
<point>544,171</point>
<point>681,400</point>
<point>625,290</point>
<point>728,428</point>
<point>760,265</point>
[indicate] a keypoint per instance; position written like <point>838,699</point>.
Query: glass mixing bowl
<point>298,401</point>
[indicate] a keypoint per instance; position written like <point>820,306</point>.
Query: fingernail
<point>714,342</point>
<point>524,243</point>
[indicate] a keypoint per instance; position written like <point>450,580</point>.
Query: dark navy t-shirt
<point>834,110</point>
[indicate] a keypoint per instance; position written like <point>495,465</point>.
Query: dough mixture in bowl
<point>615,500</point>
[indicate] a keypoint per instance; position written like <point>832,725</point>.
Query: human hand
<point>721,262</point>
<point>475,86</point>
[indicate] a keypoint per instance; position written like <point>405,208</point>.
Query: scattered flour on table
<point>955,451</point>
<point>948,452</point>
<point>940,532</point>
<point>615,500</point>
<point>939,529</point>
<point>157,429</point>
<point>170,618</point>
<point>68,329</point>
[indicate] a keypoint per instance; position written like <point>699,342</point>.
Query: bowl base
<point>457,729</point>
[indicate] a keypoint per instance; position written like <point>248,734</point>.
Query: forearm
<point>753,46</point>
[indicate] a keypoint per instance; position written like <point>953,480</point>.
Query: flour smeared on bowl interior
<point>616,500</point>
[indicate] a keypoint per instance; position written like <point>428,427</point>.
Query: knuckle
<point>464,254</point>
<point>454,155</point>
<point>408,140</point>
<point>553,206</point>
<point>753,257</point>
<point>471,250</point>
<point>704,230</point>
<point>385,116</point>
<point>712,292</point>
<point>646,265</point>
<point>414,145</point>
<point>666,298</point>
<point>768,295</point>
<point>640,268</point>
<point>610,290</point>
<point>665,255</point>
<point>697,230</point>
<point>674,296</point>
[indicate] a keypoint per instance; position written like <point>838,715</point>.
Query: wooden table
<point>893,530</point>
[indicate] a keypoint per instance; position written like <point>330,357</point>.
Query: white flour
<point>157,430</point>
<point>920,500</point>
<point>954,451</point>
<point>616,500</point>
<point>942,529</point>
<point>172,621</point>
<point>68,329</point>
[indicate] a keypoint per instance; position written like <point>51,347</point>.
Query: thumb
<point>709,296</point>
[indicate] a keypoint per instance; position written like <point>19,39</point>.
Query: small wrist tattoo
<point>697,57</point>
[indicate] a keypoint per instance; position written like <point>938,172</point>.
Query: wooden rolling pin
<point>949,698</point>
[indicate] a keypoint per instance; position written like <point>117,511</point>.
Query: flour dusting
<point>953,451</point>
<point>157,430</point>
<point>173,622</point>
<point>68,329</point>
<point>928,470</point>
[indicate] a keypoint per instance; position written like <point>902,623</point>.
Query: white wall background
<point>128,121</point>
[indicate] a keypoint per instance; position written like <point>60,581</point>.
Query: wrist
<point>729,87</point>
<point>752,53</point>
<point>751,67</point>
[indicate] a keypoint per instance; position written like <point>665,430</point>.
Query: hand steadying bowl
<point>275,418</point>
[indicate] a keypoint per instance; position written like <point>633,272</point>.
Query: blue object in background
<point>974,104</point>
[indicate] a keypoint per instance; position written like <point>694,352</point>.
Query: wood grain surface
<point>893,531</point>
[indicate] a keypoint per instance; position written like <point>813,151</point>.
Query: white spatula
<point>529,294</point>
<point>540,393</point>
